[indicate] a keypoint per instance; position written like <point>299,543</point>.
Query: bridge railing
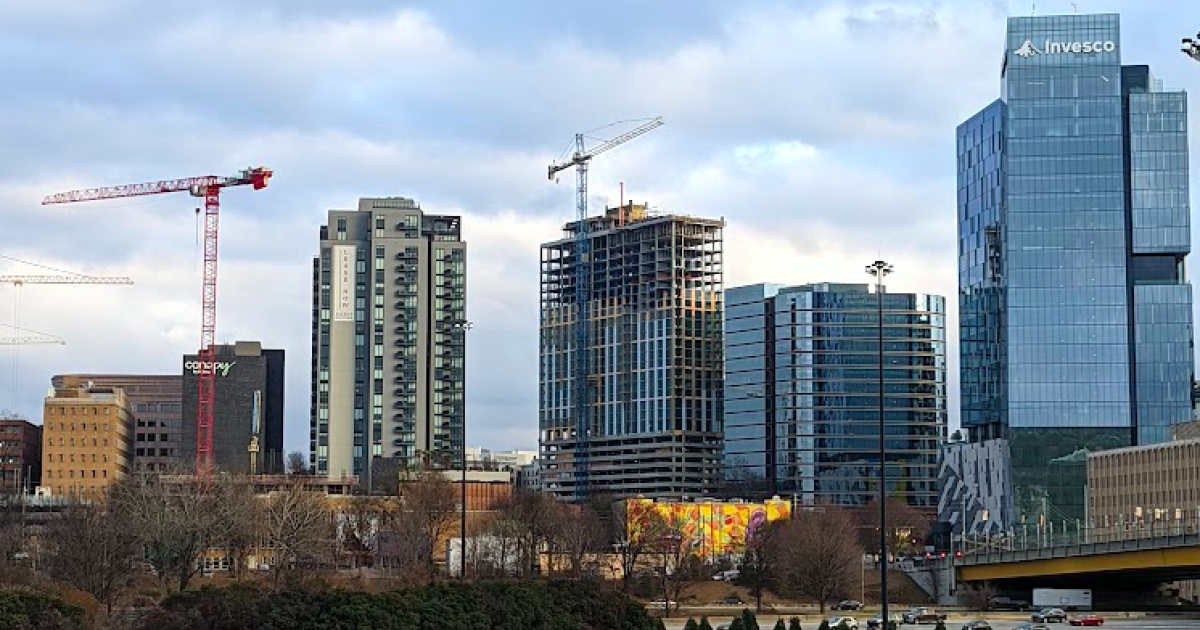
<point>1062,541</point>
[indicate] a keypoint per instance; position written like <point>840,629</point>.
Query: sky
<point>821,130</point>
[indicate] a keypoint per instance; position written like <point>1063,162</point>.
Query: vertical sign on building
<point>343,283</point>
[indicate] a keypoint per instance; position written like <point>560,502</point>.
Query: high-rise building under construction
<point>631,403</point>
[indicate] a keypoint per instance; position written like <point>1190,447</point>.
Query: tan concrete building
<point>1144,490</point>
<point>86,440</point>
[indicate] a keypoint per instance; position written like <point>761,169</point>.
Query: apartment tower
<point>389,339</point>
<point>648,383</point>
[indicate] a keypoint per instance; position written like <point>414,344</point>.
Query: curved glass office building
<point>802,393</point>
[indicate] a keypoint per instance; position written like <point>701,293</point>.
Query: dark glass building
<point>802,393</point>
<point>247,431</point>
<point>1073,225</point>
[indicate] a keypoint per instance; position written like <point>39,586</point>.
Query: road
<point>810,622</point>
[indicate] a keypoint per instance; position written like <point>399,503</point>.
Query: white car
<point>837,623</point>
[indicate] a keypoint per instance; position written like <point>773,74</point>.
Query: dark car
<point>1087,620</point>
<point>1032,626</point>
<point>729,601</point>
<point>1049,615</point>
<point>978,624</point>
<point>848,604</point>
<point>874,622</point>
<point>1009,603</point>
<point>923,615</point>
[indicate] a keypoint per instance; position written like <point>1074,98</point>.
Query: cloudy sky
<point>823,131</point>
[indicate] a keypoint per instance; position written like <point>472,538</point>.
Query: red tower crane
<point>208,187</point>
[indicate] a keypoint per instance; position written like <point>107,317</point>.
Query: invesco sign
<point>1056,48</point>
<point>203,367</point>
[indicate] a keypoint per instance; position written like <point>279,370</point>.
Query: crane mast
<point>207,187</point>
<point>581,393</point>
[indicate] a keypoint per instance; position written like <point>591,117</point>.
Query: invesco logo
<point>1054,48</point>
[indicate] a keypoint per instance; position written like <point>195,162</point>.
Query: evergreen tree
<point>691,625</point>
<point>704,625</point>
<point>737,624</point>
<point>824,625</point>
<point>779,624</point>
<point>794,624</point>
<point>941,625</point>
<point>749,620</point>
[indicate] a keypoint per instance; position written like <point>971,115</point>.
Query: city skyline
<point>813,182</point>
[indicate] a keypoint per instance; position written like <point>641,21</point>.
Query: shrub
<point>779,624</point>
<point>941,625</point>
<point>794,624</point>
<point>493,605</point>
<point>34,610</point>
<point>824,625</point>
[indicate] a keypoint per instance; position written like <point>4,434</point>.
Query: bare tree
<point>633,537</point>
<point>758,563</point>
<point>679,567</point>
<point>907,527</point>
<point>297,463</point>
<point>359,522</point>
<point>94,551</point>
<point>297,525</point>
<point>579,534</point>
<point>429,506</point>
<point>241,530</point>
<point>818,556</point>
<point>176,517</point>
<point>979,596</point>
<point>535,516</point>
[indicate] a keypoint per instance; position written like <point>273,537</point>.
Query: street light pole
<point>880,269</point>
<point>461,328</point>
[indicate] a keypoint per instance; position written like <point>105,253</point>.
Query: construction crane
<point>209,188</point>
<point>80,279</point>
<point>30,337</point>
<point>580,160</point>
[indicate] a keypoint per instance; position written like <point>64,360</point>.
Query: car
<point>843,623</point>
<point>660,603</point>
<point>849,604</point>
<point>729,601</point>
<point>978,624</point>
<point>1049,615</point>
<point>1032,626</point>
<point>874,622</point>
<point>1009,603</point>
<point>1087,620</point>
<point>923,615</point>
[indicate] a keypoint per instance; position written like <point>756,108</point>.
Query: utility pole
<point>880,269</point>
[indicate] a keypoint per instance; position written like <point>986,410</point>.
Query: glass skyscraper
<point>802,393</point>
<point>1073,226</point>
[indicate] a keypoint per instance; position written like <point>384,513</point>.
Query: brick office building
<point>20,455</point>
<point>86,440</point>
<point>154,400</point>
<point>248,414</point>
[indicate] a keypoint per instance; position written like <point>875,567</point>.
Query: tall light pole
<point>461,328</point>
<point>879,270</point>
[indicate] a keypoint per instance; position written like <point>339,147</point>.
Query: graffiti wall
<point>709,528</point>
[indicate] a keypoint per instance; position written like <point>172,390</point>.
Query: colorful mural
<point>710,528</point>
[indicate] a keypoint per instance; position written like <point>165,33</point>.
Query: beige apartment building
<point>86,440</point>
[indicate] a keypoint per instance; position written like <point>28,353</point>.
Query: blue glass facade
<point>802,393</point>
<point>1073,228</point>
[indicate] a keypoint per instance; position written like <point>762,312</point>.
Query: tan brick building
<point>86,440</point>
